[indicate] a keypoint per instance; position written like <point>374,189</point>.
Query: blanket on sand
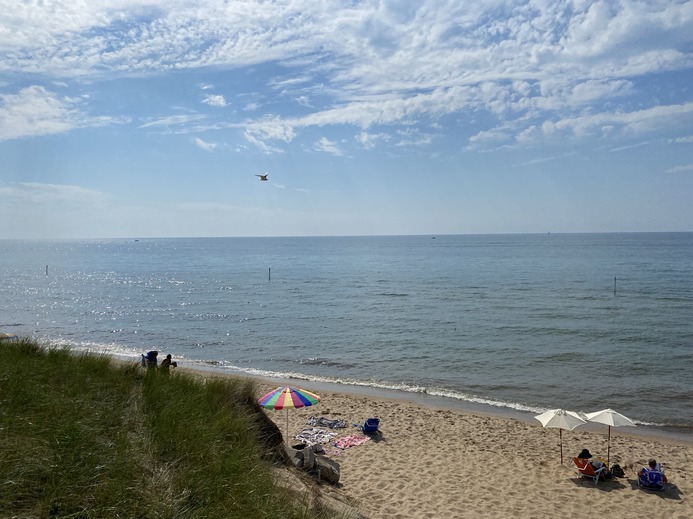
<point>313,436</point>
<point>326,422</point>
<point>352,440</point>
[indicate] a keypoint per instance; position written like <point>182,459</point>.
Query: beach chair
<point>586,470</point>
<point>371,425</point>
<point>652,479</point>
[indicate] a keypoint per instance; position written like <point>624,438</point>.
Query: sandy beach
<point>437,463</point>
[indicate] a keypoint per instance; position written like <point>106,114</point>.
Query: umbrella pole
<point>287,426</point>
<point>608,448</point>
<point>560,436</point>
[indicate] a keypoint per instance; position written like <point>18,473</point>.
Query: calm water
<point>526,322</point>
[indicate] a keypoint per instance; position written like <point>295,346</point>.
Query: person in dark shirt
<point>167,363</point>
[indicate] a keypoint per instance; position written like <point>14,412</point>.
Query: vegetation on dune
<point>83,438</point>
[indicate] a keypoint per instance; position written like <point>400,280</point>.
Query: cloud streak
<point>27,193</point>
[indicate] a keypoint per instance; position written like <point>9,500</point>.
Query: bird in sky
<point>263,178</point>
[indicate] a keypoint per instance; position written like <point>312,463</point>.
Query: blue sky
<point>127,118</point>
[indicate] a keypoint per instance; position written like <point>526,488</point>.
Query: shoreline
<point>430,462</point>
<point>444,403</point>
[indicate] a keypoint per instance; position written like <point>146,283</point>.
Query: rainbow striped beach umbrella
<point>286,398</point>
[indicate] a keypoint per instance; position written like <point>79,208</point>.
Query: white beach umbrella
<point>612,419</point>
<point>560,419</point>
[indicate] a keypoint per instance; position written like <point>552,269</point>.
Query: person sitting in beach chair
<point>590,468</point>
<point>587,455</point>
<point>652,476</point>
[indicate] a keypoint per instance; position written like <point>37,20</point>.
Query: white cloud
<point>369,140</point>
<point>631,123</point>
<point>35,111</point>
<point>369,44</point>
<point>494,136</point>
<point>259,143</point>
<point>631,146</point>
<point>173,120</point>
<point>413,137</point>
<point>214,100</point>
<point>592,90</point>
<point>326,145</point>
<point>538,161</point>
<point>626,27</point>
<point>681,169</point>
<point>281,84</point>
<point>273,128</point>
<point>260,132</point>
<point>207,146</point>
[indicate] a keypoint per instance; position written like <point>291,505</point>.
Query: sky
<point>152,118</point>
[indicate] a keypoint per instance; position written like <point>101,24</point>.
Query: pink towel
<point>351,440</point>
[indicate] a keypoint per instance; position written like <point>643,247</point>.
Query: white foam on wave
<point>119,350</point>
<point>390,386</point>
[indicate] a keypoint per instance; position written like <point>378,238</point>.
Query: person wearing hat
<point>585,454</point>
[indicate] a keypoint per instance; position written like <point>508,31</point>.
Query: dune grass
<point>83,438</point>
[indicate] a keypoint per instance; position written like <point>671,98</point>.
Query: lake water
<point>520,322</point>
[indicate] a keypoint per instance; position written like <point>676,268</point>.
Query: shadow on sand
<point>671,492</point>
<point>603,486</point>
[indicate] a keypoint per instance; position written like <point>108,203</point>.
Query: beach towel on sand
<point>351,440</point>
<point>314,436</point>
<point>326,422</point>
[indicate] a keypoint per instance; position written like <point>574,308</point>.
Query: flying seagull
<point>263,178</point>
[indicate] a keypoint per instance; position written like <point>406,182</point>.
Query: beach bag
<point>617,471</point>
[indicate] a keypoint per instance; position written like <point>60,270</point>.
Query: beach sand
<point>432,462</point>
<point>438,463</point>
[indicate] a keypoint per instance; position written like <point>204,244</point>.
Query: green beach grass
<point>82,437</point>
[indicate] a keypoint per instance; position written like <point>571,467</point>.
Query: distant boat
<point>8,336</point>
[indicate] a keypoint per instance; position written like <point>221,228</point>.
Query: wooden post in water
<point>269,274</point>
<point>46,270</point>
<point>614,285</point>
